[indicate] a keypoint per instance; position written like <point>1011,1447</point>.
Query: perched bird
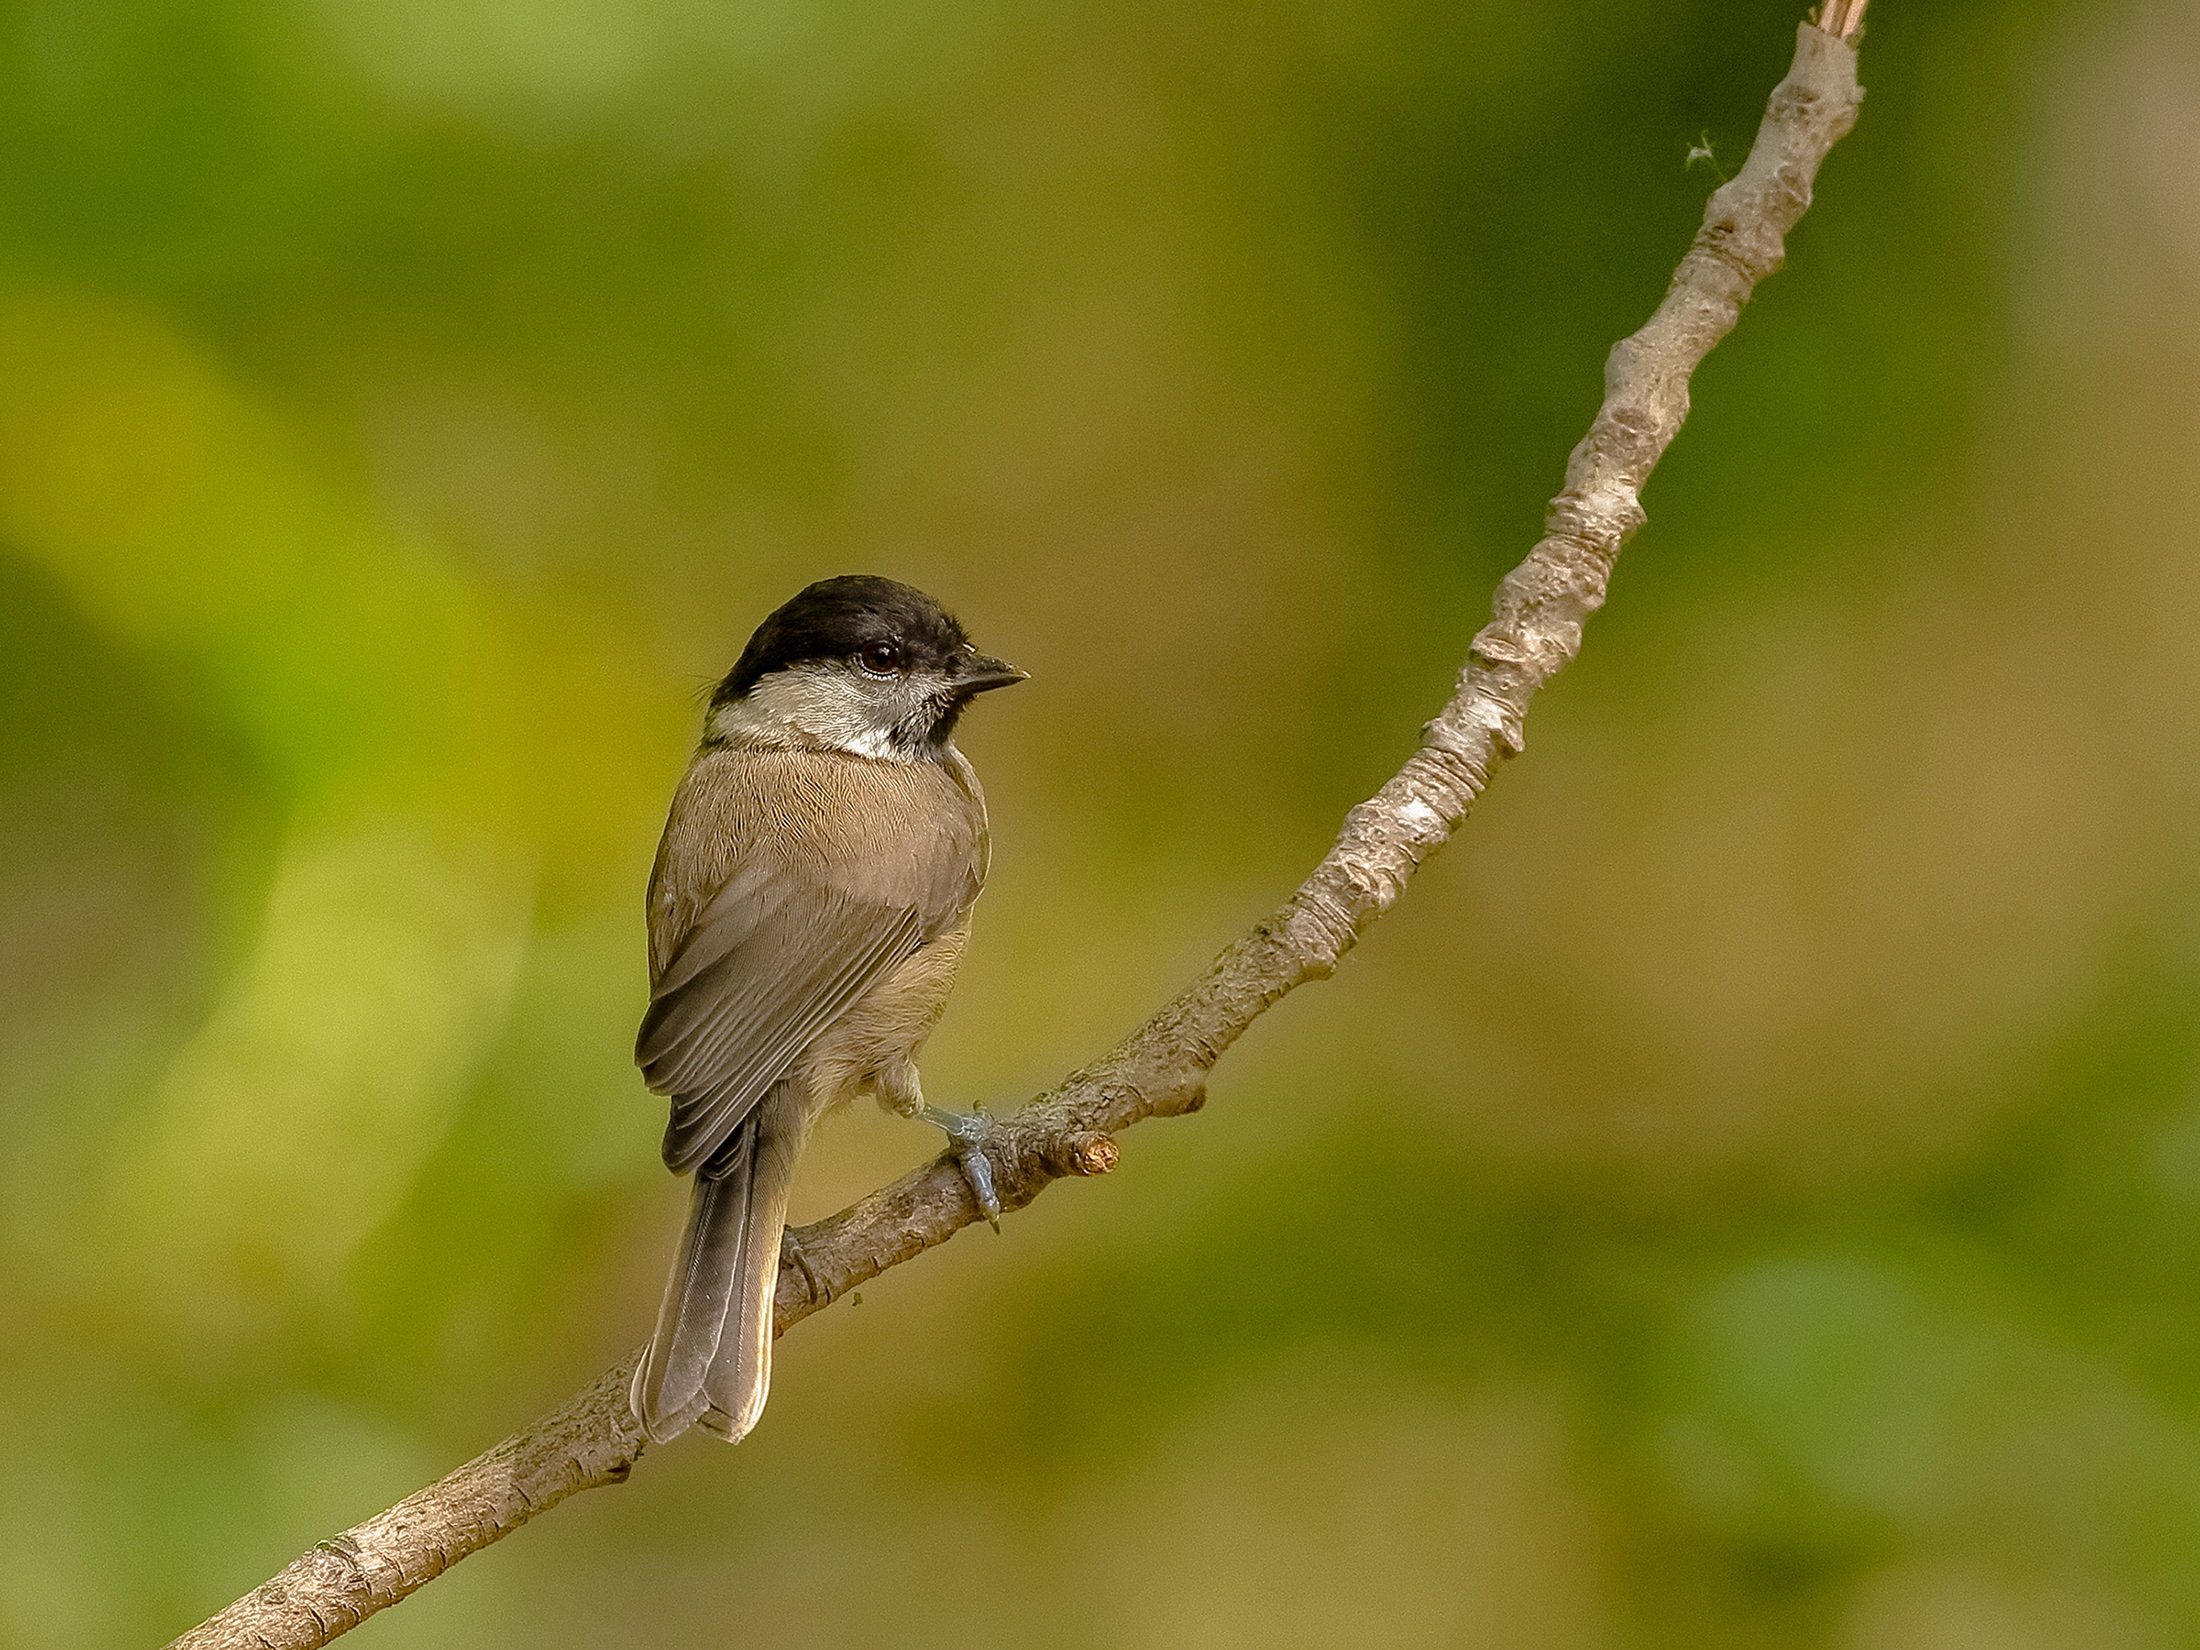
<point>807,912</point>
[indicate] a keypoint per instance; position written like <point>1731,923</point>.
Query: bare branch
<point>1161,1069</point>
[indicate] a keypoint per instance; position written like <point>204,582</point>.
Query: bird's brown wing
<point>767,965</point>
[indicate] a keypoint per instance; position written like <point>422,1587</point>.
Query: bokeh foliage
<point>1748,1194</point>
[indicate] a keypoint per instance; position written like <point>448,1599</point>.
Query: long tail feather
<point>668,1387</point>
<point>741,1374</point>
<point>709,1363</point>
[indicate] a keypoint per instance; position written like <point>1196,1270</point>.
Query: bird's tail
<point>710,1362</point>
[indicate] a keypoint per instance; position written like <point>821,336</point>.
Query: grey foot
<point>967,1134</point>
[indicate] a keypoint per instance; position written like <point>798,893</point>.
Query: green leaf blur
<point>1747,1195</point>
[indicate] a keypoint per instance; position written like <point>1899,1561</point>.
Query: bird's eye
<point>880,658</point>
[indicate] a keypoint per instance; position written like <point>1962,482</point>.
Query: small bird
<point>807,912</point>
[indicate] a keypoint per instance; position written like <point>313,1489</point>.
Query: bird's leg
<point>967,1134</point>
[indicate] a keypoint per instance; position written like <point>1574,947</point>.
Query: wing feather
<point>782,964</point>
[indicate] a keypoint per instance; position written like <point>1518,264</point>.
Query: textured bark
<point>1161,1069</point>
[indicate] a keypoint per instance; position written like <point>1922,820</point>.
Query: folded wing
<point>766,966</point>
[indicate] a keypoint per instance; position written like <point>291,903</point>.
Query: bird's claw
<point>967,1135</point>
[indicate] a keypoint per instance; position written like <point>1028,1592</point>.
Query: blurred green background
<point>1747,1195</point>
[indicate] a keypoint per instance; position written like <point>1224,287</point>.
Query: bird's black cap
<point>835,618</point>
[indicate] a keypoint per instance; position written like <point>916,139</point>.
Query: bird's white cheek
<point>814,709</point>
<point>826,709</point>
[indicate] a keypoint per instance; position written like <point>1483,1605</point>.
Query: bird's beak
<point>979,673</point>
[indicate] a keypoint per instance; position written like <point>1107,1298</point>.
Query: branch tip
<point>1843,19</point>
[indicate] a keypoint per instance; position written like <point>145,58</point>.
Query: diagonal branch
<point>1161,1069</point>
